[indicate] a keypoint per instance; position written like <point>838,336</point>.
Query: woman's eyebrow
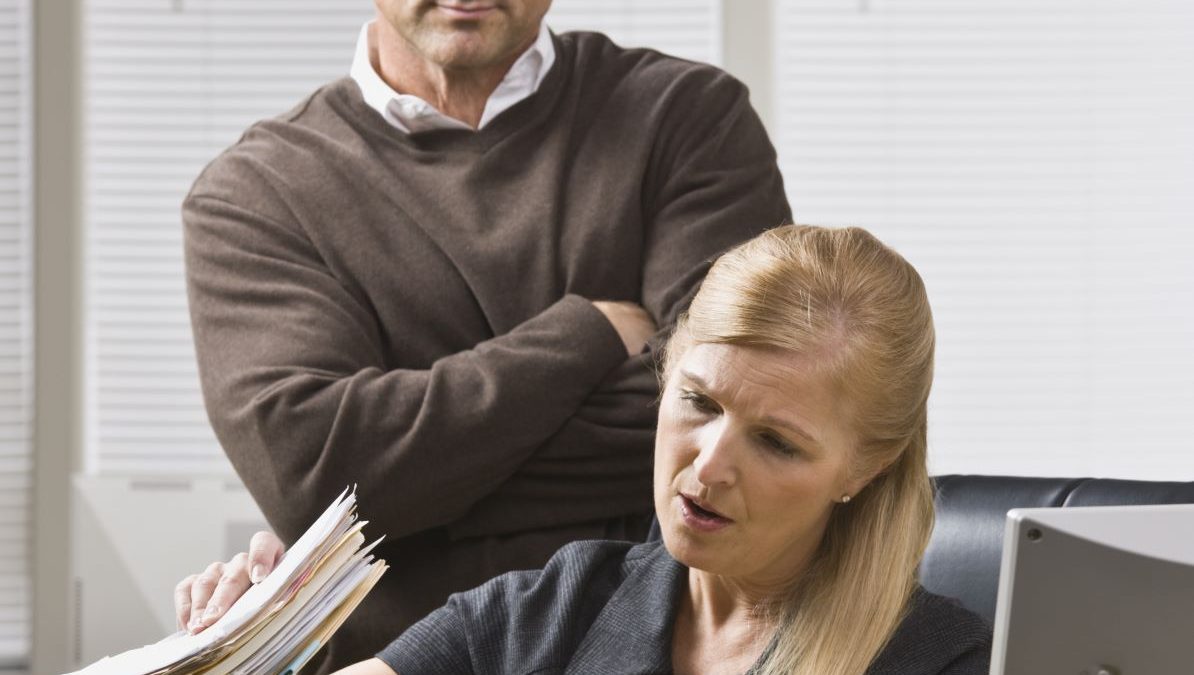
<point>773,421</point>
<point>694,378</point>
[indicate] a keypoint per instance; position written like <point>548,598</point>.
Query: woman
<point>791,491</point>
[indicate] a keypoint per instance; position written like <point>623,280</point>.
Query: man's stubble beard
<point>455,48</point>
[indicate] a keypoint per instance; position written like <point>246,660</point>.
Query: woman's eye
<point>777,444</point>
<point>698,401</point>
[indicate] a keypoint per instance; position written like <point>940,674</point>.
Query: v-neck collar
<point>524,115</point>
<point>633,632</point>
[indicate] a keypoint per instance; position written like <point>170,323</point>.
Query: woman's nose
<point>714,462</point>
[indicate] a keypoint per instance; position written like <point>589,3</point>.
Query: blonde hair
<point>861,310</point>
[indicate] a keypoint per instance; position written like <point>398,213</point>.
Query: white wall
<point>1034,159</point>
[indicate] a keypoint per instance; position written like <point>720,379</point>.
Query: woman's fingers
<point>232,584</point>
<point>265,549</point>
<point>182,601</point>
<point>201,590</point>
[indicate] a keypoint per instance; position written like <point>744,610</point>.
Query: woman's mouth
<point>701,516</point>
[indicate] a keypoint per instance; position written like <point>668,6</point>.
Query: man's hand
<point>201,599</point>
<point>631,321</point>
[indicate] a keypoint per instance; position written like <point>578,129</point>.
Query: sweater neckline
<point>527,113</point>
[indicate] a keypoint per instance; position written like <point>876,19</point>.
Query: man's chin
<point>463,50</point>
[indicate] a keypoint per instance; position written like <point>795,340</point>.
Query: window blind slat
<point>1033,159</point>
<point>16,460</point>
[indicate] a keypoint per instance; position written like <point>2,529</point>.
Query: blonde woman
<point>791,491</point>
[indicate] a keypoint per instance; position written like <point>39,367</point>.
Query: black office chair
<point>965,551</point>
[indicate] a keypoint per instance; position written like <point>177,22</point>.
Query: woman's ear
<point>854,486</point>
<point>858,482</point>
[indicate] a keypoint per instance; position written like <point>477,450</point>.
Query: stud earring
<point>845,499</point>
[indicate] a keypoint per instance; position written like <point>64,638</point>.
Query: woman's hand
<point>201,599</point>
<point>370,667</point>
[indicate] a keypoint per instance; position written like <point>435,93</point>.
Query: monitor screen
<point>1101,590</point>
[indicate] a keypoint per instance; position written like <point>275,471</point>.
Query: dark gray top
<point>609,607</point>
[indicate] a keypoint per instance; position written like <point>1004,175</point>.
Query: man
<point>435,280</point>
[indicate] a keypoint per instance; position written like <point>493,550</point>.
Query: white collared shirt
<point>412,114</point>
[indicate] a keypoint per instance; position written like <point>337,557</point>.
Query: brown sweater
<point>409,314</point>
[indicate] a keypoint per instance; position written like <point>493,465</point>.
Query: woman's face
<point>750,457</point>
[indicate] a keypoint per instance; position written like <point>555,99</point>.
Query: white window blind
<point>170,83</point>
<point>16,300</point>
<point>690,29</point>
<point>1035,160</point>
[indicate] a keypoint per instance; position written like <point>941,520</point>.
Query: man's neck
<point>458,93</point>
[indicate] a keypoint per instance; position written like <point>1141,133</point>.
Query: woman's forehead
<point>719,364</point>
<point>763,382</point>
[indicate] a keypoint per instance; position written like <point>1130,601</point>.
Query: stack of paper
<point>278,624</point>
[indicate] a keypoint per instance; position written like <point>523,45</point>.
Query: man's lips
<point>465,11</point>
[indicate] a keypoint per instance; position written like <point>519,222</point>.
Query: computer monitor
<point>1096,590</point>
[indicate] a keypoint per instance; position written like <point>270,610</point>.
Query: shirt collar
<point>411,114</point>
